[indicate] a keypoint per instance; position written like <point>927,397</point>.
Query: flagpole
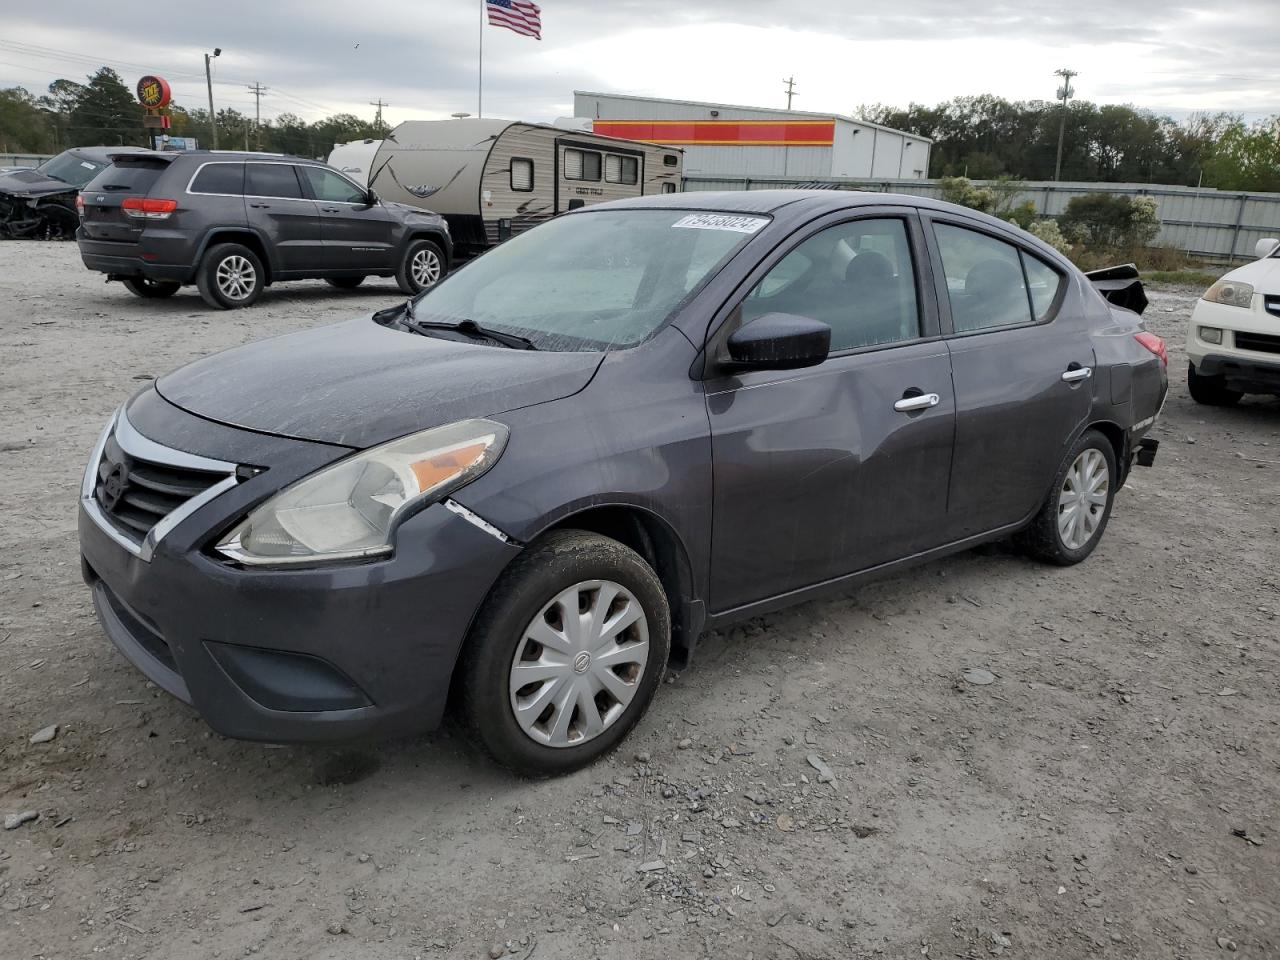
<point>480,77</point>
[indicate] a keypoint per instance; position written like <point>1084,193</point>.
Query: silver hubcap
<point>1083,500</point>
<point>425,267</point>
<point>236,277</point>
<point>579,664</point>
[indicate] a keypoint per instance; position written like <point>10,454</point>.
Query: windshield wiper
<point>466,327</point>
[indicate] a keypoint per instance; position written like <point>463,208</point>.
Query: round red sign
<point>153,92</point>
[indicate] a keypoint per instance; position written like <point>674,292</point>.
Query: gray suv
<point>232,223</point>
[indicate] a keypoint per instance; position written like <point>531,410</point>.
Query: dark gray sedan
<point>536,484</point>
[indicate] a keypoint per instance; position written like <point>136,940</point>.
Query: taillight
<point>1154,344</point>
<point>148,208</point>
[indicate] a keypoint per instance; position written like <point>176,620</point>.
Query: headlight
<point>348,510</point>
<point>1231,292</point>
<point>1211,334</point>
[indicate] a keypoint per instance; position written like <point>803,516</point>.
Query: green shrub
<point>961,190</point>
<point>1050,233</point>
<point>1109,221</point>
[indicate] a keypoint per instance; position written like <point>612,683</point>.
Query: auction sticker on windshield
<point>720,221</point>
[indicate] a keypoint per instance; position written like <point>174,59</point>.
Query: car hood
<point>1263,274</point>
<point>30,183</point>
<point>358,383</point>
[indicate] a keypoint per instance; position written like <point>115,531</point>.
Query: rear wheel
<point>422,266</point>
<point>566,653</point>
<point>230,276</point>
<point>151,289</point>
<point>1210,391</point>
<point>344,283</point>
<point>1074,515</point>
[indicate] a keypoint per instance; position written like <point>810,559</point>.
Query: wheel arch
<point>657,541</point>
<point>244,236</point>
<point>1119,439</point>
<point>435,235</point>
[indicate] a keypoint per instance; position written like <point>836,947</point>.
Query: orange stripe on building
<point>719,133</point>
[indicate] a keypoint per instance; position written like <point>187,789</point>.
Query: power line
<point>379,104</point>
<point>258,91</point>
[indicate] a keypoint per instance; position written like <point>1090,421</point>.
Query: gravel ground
<point>1112,792</point>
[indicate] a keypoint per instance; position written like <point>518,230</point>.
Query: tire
<point>344,283</point>
<point>422,266</point>
<point>1052,538</point>
<point>151,289</point>
<point>230,276</point>
<point>524,604</point>
<point>1210,391</point>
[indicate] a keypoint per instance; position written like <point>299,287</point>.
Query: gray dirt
<point>1112,791</point>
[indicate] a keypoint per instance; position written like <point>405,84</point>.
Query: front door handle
<point>1075,372</point>
<point>922,402</point>
<point>260,206</point>
<point>330,210</point>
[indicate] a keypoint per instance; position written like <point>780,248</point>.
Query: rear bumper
<point>1240,373</point>
<point>132,260</point>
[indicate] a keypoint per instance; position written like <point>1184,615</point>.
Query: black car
<point>39,203</point>
<point>537,482</point>
<point>233,223</point>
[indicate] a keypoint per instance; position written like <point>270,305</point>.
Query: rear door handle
<point>922,402</point>
<point>260,206</point>
<point>1076,372</point>
<point>330,210</point>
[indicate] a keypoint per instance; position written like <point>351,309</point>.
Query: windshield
<point>591,281</point>
<point>71,168</point>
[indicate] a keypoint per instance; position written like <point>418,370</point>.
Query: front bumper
<point>322,654</point>
<point>1241,373</point>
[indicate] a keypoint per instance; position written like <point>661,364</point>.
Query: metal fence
<point>23,159</point>
<point>1208,223</point>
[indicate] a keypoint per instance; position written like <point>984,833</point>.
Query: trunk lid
<point>102,215</point>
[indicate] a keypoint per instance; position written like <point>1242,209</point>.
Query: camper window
<point>621,169</point>
<point>522,174</point>
<point>582,165</point>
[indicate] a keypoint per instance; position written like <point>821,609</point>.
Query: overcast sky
<point>322,56</point>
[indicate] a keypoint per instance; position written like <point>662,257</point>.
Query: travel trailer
<point>492,179</point>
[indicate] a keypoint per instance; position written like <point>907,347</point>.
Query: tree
<point>106,113</point>
<point>1244,157</point>
<point>24,127</point>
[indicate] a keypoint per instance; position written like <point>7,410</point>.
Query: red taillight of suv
<point>147,208</point>
<point>1154,344</point>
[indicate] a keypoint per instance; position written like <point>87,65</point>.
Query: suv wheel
<point>344,283</point>
<point>230,276</point>
<point>1211,391</point>
<point>566,653</point>
<point>422,266</point>
<point>1074,515</point>
<point>151,289</point>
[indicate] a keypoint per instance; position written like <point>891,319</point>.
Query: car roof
<point>169,156</point>
<point>104,154</point>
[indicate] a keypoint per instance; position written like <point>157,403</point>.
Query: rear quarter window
<point>219,178</point>
<point>131,176</point>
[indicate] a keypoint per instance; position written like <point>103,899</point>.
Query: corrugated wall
<point>850,156</point>
<point>1212,223</point>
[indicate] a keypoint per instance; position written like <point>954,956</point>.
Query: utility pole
<point>208,79</point>
<point>379,103</point>
<point>1065,93</point>
<point>791,89</point>
<point>258,91</point>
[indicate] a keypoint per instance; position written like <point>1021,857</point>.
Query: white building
<point>720,139</point>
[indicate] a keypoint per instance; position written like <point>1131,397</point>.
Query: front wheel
<point>1210,391</point>
<point>230,276</point>
<point>1074,515</point>
<point>421,266</point>
<point>151,289</point>
<point>566,653</point>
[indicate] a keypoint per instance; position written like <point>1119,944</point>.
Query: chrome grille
<point>137,490</point>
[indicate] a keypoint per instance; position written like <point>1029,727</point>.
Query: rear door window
<point>128,176</point>
<point>271,180</point>
<point>985,282</point>
<point>223,178</point>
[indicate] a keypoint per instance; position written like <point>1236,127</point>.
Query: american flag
<point>519,15</point>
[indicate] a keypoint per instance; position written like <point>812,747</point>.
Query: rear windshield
<point>131,175</point>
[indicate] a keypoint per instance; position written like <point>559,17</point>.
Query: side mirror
<point>780,341</point>
<point>1265,247</point>
<point>371,198</point>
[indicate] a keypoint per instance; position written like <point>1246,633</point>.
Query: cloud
<point>420,55</point>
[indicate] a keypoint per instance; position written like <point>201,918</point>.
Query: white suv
<point>1233,342</point>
